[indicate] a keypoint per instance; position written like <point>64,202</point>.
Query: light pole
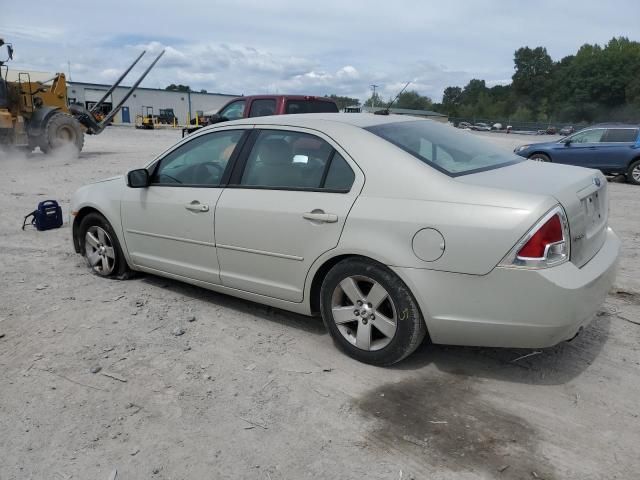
<point>373,97</point>
<point>189,97</point>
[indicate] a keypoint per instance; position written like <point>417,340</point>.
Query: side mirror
<point>567,142</point>
<point>138,178</point>
<point>217,118</point>
<point>10,51</point>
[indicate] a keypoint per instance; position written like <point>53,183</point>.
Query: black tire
<point>61,130</point>
<point>635,180</point>
<point>410,328</point>
<point>118,267</point>
<point>540,157</point>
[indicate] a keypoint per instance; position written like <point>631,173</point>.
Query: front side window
<point>234,110</point>
<point>445,148</point>
<point>199,162</point>
<point>262,107</point>
<point>621,135</point>
<point>588,136</point>
<point>294,160</point>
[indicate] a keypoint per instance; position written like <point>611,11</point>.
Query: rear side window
<point>283,159</point>
<point>339,176</point>
<point>310,106</point>
<point>619,135</point>
<point>262,107</point>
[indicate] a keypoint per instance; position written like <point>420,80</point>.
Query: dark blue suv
<point>613,148</point>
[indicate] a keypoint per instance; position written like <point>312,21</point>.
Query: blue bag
<point>48,215</point>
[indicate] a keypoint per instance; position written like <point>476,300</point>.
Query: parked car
<point>611,148</point>
<point>392,229</point>
<point>264,105</point>
<point>567,130</point>
<point>481,127</point>
<point>496,126</point>
<point>551,130</point>
<point>464,125</point>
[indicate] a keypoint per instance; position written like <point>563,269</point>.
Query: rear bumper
<point>512,307</point>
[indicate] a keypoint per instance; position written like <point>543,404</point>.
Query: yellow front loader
<point>37,114</point>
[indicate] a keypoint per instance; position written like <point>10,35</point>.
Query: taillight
<point>545,245</point>
<point>549,234</point>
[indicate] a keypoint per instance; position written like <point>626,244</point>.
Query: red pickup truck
<point>263,105</point>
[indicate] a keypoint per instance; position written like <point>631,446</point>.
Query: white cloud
<point>254,46</point>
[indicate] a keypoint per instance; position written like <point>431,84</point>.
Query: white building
<point>181,102</point>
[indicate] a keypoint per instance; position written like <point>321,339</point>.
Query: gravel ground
<point>93,378</point>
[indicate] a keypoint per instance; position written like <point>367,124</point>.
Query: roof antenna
<point>385,111</point>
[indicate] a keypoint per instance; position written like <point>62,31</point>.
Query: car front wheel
<point>633,174</point>
<point>540,157</point>
<point>370,313</point>
<point>100,247</point>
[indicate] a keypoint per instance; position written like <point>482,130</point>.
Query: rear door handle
<point>196,206</point>
<point>320,216</point>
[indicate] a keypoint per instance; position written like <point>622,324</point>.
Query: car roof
<point>284,95</point>
<point>614,125</point>
<point>314,120</point>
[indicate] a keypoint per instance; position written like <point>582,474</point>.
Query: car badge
<point>596,180</point>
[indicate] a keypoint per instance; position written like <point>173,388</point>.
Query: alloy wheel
<point>364,313</point>
<point>99,250</point>
<point>635,173</point>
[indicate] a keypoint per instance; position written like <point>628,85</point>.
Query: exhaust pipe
<point>113,87</point>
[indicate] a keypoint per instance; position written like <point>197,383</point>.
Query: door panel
<point>171,229</point>
<point>169,226</point>
<point>286,206</point>
<point>582,150</point>
<point>265,243</point>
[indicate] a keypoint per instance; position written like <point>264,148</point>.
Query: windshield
<point>445,148</point>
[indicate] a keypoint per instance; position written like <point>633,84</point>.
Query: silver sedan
<point>392,229</point>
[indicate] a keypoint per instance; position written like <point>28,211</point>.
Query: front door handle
<point>196,206</point>
<point>320,216</point>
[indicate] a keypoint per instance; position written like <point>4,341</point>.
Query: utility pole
<point>373,97</point>
<point>189,97</point>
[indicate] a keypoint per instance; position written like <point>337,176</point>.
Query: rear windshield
<point>310,106</point>
<point>445,148</point>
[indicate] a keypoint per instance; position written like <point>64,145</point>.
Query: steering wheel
<point>205,173</point>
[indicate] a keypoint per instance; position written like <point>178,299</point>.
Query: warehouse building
<point>145,101</point>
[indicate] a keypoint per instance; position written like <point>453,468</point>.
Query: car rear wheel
<point>100,247</point>
<point>540,157</point>
<point>370,313</point>
<point>633,174</point>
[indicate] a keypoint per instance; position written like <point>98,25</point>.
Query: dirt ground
<point>257,393</point>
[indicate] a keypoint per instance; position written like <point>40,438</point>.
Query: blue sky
<point>249,47</point>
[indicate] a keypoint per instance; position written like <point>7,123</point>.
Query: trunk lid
<point>581,192</point>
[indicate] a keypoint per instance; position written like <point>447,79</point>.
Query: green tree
<point>343,102</point>
<point>413,100</point>
<point>178,88</point>
<point>375,100</point>
<point>597,83</point>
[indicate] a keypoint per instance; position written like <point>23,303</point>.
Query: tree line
<point>598,83</point>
